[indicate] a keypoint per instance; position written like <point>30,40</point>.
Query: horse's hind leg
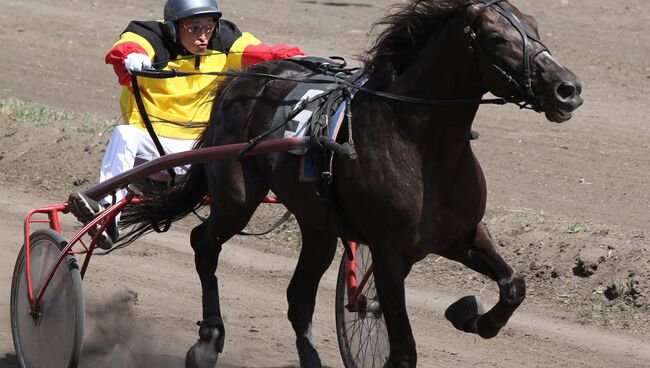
<point>234,196</point>
<point>318,249</point>
<point>211,329</point>
<point>480,254</point>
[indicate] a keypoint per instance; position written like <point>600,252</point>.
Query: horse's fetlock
<point>307,353</point>
<point>487,327</point>
<point>212,331</point>
<point>512,292</point>
<point>403,362</point>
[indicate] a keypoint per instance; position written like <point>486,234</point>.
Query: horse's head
<point>512,60</point>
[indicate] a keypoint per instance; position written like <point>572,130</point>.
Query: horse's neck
<point>443,69</point>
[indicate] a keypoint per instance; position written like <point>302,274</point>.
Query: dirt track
<point>557,194</point>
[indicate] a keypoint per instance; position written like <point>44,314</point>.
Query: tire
<point>54,339</point>
<point>362,335</point>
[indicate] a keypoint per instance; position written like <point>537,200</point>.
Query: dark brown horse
<point>414,189</point>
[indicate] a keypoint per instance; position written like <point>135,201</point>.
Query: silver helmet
<point>179,9</point>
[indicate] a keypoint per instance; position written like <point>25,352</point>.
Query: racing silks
<point>180,107</point>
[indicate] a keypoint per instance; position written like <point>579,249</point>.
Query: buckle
<point>327,177</point>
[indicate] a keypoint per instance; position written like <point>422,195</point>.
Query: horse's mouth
<point>557,116</point>
<point>561,114</point>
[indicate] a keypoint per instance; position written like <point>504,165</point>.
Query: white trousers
<point>129,143</point>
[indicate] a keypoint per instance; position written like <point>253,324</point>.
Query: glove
<point>288,52</point>
<point>136,62</point>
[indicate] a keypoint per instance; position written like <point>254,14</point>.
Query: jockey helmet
<point>180,9</point>
<point>176,10</point>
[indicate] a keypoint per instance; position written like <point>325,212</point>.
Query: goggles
<point>198,29</point>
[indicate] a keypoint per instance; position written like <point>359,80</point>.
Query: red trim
<point>116,58</point>
<point>53,220</point>
<point>193,156</point>
<point>351,274</point>
<point>254,54</point>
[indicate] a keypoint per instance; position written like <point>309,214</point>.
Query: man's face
<point>195,33</point>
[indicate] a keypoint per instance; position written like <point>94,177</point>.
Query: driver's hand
<point>136,62</point>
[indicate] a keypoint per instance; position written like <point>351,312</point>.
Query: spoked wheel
<point>52,337</point>
<point>361,328</point>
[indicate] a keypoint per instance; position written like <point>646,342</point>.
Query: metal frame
<point>195,156</point>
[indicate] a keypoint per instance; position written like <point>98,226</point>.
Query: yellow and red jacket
<point>179,107</point>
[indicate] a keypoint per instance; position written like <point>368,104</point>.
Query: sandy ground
<point>559,196</point>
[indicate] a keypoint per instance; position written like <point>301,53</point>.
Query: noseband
<point>523,80</point>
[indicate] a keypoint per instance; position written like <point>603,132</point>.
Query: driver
<point>192,37</point>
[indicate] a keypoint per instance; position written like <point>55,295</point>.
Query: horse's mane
<point>406,29</point>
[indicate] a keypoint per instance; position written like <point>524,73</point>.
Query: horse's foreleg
<point>316,255</point>
<point>480,254</point>
<point>390,268</point>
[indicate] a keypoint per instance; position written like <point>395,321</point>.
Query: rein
<point>172,73</point>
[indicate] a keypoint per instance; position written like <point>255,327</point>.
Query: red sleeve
<point>116,57</point>
<point>254,54</point>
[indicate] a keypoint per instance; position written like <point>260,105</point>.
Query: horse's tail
<point>159,210</point>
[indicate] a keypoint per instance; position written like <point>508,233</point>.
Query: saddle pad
<point>299,125</point>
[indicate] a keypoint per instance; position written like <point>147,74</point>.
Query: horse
<point>415,187</point>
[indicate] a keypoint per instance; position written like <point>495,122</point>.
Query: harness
<point>343,84</point>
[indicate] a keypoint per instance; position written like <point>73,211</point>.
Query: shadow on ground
<point>9,361</point>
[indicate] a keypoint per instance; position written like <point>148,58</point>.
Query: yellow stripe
<point>237,50</point>
<point>133,37</point>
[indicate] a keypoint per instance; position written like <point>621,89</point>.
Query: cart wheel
<point>362,335</point>
<point>54,336</point>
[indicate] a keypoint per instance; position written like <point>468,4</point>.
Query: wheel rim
<point>363,338</point>
<point>53,337</point>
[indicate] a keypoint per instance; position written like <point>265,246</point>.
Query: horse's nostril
<point>566,90</point>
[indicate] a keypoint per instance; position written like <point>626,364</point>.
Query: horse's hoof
<point>307,353</point>
<point>464,313</point>
<point>204,353</point>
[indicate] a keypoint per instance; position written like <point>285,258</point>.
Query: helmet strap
<point>171,31</point>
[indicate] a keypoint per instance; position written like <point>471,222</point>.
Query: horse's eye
<point>498,40</point>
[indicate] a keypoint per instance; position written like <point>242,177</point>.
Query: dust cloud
<point>116,337</point>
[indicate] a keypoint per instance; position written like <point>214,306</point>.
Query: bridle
<point>523,79</point>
